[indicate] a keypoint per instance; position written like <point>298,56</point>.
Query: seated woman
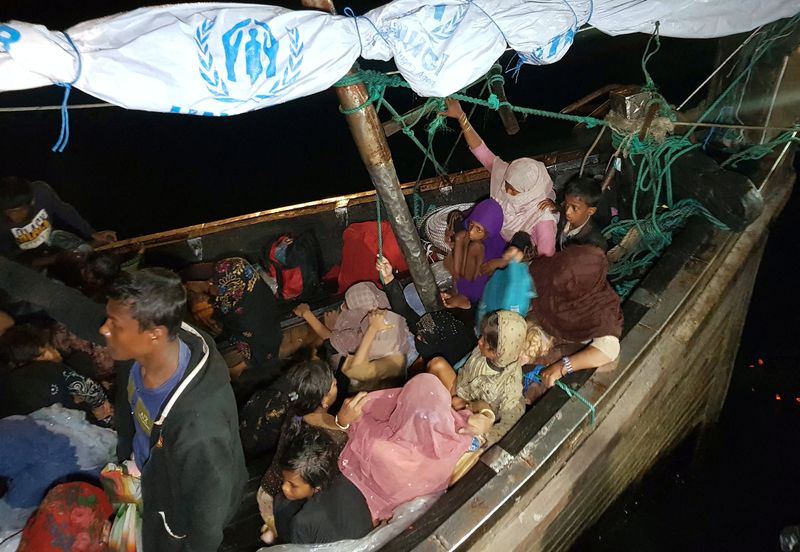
<point>311,391</point>
<point>492,374</point>
<point>35,377</point>
<point>372,341</point>
<point>229,299</point>
<point>480,243</point>
<point>576,304</point>
<point>437,333</point>
<point>520,187</point>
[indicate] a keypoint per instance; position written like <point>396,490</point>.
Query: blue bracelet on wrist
<point>567,364</point>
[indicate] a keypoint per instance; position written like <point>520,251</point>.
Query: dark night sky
<point>134,171</point>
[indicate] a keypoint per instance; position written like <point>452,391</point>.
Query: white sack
<point>222,59</point>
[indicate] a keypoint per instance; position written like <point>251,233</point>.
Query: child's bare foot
<point>267,536</point>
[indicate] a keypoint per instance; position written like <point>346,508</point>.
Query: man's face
<point>577,211</point>
<point>19,216</point>
<point>124,337</point>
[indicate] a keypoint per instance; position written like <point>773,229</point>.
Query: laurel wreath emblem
<point>292,70</point>
<point>216,85</point>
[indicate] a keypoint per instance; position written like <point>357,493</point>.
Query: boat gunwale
<point>437,183</point>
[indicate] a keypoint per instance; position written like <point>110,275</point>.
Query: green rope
<point>572,393</point>
<point>653,160</point>
<point>758,151</point>
<point>380,234</point>
<point>649,85</point>
<point>765,46</point>
<point>655,236</point>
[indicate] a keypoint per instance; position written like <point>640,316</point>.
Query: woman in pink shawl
<point>406,444</point>
<point>520,187</point>
<point>372,339</point>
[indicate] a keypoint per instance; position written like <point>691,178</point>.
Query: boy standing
<point>176,414</point>
<point>576,227</point>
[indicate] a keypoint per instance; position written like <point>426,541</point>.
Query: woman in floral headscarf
<point>73,517</point>
<point>520,187</point>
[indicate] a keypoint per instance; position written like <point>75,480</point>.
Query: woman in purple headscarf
<point>479,243</point>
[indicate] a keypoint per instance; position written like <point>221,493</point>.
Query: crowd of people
<point>379,403</point>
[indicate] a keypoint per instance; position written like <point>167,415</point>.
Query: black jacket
<point>590,234</point>
<point>192,483</point>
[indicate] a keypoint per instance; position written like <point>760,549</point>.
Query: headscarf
<point>531,179</point>
<point>511,332</point>
<point>248,311</point>
<point>351,324</point>
<point>442,334</point>
<point>72,517</point>
<point>480,380</point>
<point>576,302</point>
<point>488,214</point>
<point>406,444</point>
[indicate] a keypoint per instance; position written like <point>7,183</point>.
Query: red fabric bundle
<point>360,250</point>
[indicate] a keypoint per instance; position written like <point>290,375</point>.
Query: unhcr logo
<point>7,36</point>
<point>250,64</point>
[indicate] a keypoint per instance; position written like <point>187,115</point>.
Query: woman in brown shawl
<point>576,304</point>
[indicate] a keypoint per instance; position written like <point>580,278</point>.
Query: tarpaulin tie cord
<point>63,137</point>
<point>348,11</point>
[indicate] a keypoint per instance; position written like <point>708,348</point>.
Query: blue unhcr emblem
<point>7,36</point>
<point>248,45</point>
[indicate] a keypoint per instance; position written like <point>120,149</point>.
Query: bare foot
<point>267,536</point>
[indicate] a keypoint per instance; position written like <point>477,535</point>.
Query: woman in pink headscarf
<point>520,187</point>
<point>407,443</point>
<point>372,340</point>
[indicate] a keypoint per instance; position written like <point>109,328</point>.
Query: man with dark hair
<point>32,212</point>
<point>176,414</point>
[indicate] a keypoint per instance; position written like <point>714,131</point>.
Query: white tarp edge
<point>223,59</point>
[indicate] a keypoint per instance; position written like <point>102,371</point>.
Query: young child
<point>491,379</point>
<point>479,243</point>
<point>581,198</point>
<point>302,515</point>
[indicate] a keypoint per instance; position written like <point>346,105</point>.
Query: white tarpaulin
<point>222,59</point>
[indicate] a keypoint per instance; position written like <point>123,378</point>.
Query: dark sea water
<point>140,172</point>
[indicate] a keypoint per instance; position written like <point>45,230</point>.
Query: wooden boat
<point>557,470</point>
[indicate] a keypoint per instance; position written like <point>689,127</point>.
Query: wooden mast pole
<point>371,141</point>
<point>506,114</point>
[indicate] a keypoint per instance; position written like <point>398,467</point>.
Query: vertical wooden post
<point>506,114</point>
<point>374,150</point>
